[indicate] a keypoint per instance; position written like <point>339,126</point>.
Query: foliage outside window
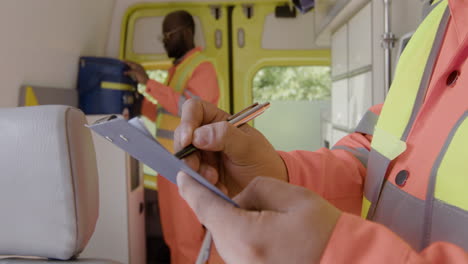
<point>304,83</point>
<point>157,75</point>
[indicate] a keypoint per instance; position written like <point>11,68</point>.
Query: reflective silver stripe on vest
<point>191,95</point>
<point>376,169</point>
<point>162,133</point>
<point>449,224</point>
<point>164,111</point>
<point>402,213</point>
<point>161,110</point>
<point>374,174</point>
<point>367,123</point>
<point>362,154</point>
<point>454,227</point>
<point>428,9</point>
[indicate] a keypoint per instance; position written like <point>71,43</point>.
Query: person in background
<point>404,170</point>
<point>191,76</point>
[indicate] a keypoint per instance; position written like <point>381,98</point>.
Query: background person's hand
<point>231,156</point>
<point>137,72</point>
<point>126,113</point>
<point>279,222</point>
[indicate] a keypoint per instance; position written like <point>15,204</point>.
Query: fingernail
<point>200,137</point>
<point>184,137</point>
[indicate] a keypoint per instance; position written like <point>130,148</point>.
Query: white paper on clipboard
<point>132,137</point>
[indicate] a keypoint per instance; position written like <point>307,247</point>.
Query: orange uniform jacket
<point>339,174</point>
<point>203,84</point>
<point>182,231</point>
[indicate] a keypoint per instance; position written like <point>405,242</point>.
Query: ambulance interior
<point>320,70</point>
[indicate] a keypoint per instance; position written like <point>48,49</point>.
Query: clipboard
<point>132,137</point>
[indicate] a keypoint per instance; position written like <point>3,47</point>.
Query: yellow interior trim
<point>175,6</point>
<point>150,182</point>
<point>250,58</point>
<point>157,65</point>
<point>117,86</point>
<point>451,179</point>
<point>31,99</point>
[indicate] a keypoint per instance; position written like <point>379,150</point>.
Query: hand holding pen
<point>232,154</point>
<point>237,120</point>
<point>245,152</point>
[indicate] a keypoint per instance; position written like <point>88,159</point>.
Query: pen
<point>204,253</point>
<point>237,120</point>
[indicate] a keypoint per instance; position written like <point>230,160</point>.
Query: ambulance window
<point>300,98</point>
<point>292,83</point>
<point>158,75</point>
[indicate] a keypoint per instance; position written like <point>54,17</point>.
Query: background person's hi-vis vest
<point>166,123</point>
<point>443,215</point>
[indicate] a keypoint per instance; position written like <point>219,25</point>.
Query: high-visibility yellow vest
<point>166,123</point>
<point>445,209</point>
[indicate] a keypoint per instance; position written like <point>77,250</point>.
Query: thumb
<point>222,136</point>
<point>196,113</point>
<point>183,135</point>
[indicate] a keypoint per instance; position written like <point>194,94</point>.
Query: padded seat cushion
<point>45,261</point>
<point>48,182</point>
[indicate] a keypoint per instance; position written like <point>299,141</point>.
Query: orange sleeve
<point>355,240</point>
<point>337,175</point>
<point>203,84</point>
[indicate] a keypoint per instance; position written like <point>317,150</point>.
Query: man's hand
<point>231,157</point>
<point>279,222</point>
<point>137,72</point>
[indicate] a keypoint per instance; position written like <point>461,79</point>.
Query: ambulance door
<point>276,59</point>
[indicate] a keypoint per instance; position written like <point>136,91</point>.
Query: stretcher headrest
<point>48,182</point>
